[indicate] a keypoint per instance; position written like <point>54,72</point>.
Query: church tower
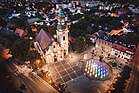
<point>62,32</point>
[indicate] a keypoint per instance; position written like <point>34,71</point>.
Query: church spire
<point>61,21</point>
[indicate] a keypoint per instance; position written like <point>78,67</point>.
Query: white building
<point>50,49</point>
<point>58,6</point>
<point>112,48</point>
<point>30,13</point>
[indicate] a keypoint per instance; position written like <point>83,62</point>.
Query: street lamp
<point>85,56</point>
<point>55,36</point>
<point>37,61</point>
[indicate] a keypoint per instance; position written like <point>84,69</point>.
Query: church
<point>50,49</point>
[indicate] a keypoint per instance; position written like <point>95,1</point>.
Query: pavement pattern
<point>64,71</point>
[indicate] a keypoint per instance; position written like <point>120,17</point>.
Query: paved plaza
<point>70,72</point>
<point>64,71</point>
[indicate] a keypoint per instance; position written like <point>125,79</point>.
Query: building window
<point>55,58</point>
<point>64,52</point>
<point>38,47</point>
<point>123,53</point>
<point>116,54</point>
<point>58,37</point>
<point>63,37</point>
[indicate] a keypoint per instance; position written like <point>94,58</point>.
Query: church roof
<point>61,14</point>
<point>62,27</point>
<point>43,39</point>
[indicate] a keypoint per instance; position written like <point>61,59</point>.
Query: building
<point>115,48</point>
<point>96,35</point>
<point>20,32</point>
<point>53,50</point>
<point>122,11</point>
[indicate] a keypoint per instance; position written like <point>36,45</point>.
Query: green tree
<point>51,30</point>
<point>20,48</point>
<point>19,22</point>
<point>81,41</point>
<point>33,55</point>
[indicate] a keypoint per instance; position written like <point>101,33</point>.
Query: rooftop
<point>115,41</point>
<point>61,14</point>
<point>43,39</point>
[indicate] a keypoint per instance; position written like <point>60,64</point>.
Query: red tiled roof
<point>122,10</point>
<point>117,46</point>
<point>105,42</point>
<point>102,13</point>
<point>100,33</point>
<point>122,48</point>
<point>93,36</point>
<point>20,32</point>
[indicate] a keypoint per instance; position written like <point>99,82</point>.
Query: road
<point>33,82</point>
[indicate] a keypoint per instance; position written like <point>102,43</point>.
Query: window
<point>123,53</point>
<point>116,54</point>
<point>64,52</point>
<point>38,47</point>
<point>58,37</point>
<point>62,20</point>
<point>63,37</point>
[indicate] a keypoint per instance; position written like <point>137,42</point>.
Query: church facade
<point>50,49</point>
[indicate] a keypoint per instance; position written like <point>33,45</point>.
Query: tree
<point>19,22</point>
<point>78,42</point>
<point>3,23</point>
<point>20,48</point>
<point>33,55</point>
<point>51,30</point>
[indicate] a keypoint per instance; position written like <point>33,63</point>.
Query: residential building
<point>20,32</point>
<point>115,48</point>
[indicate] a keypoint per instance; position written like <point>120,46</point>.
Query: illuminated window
<point>62,20</point>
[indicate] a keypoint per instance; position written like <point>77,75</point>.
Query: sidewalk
<point>24,70</point>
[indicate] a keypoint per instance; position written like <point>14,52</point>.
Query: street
<point>33,83</point>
